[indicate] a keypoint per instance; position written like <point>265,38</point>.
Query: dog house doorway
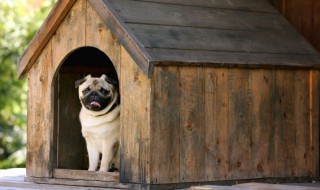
<point>69,148</point>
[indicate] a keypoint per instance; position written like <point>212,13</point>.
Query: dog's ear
<point>80,81</point>
<point>110,80</point>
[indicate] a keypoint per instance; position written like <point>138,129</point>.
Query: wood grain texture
<point>69,128</point>
<point>99,36</point>
<point>135,90</point>
<point>187,38</point>
<point>40,116</point>
<point>124,35</point>
<point>165,128</point>
<point>196,16</point>
<point>304,17</point>
<point>246,5</point>
<point>263,129</point>
<point>216,123</point>
<point>240,124</point>
<point>192,124</point>
<point>43,35</point>
<point>302,123</point>
<point>85,175</point>
<point>284,96</point>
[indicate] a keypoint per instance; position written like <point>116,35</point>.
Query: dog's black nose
<point>94,93</point>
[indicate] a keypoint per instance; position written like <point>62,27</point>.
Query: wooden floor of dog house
<point>14,179</point>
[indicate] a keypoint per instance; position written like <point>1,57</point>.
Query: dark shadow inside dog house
<point>69,148</point>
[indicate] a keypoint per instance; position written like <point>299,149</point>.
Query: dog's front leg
<point>93,157</point>
<point>107,155</point>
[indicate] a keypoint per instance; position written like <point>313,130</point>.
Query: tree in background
<point>19,20</point>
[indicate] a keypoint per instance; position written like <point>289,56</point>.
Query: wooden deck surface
<point>13,179</point>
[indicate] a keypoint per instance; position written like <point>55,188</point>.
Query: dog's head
<point>96,94</point>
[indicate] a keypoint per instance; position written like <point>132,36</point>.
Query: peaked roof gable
<point>248,33</point>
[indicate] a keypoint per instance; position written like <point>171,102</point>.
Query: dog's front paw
<point>103,169</point>
<point>91,170</point>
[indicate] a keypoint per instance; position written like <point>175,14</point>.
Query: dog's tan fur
<point>101,128</point>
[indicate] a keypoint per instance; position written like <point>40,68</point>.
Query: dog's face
<point>96,94</point>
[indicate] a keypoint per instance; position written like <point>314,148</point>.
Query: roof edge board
<point>124,34</point>
<point>43,35</point>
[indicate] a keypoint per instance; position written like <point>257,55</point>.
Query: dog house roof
<point>248,33</point>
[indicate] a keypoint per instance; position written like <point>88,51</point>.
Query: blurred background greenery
<point>19,21</point>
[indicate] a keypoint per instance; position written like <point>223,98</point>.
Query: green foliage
<point>19,20</point>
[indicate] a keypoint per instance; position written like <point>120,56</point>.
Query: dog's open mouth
<point>95,104</point>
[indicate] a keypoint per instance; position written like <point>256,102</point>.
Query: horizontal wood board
<point>234,124</point>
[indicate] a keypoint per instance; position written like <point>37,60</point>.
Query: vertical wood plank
<point>192,161</point>
<point>70,35</point>
<point>39,117</point>
<point>263,131</point>
<point>135,122</point>
<point>314,122</point>
<point>284,162</point>
<point>99,36</point>
<point>69,127</point>
<point>240,127</point>
<point>302,125</point>
<point>165,126</point>
<point>216,123</point>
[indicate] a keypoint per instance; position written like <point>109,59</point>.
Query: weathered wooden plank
<point>68,37</point>
<point>101,37</point>
<point>273,186</point>
<point>197,16</point>
<point>124,35</point>
<point>240,124</point>
<point>302,125</point>
<point>247,5</point>
<point>314,122</point>
<point>233,59</point>
<point>263,130</point>
<point>81,183</point>
<point>284,101</point>
<point>43,35</point>
<point>192,129</point>
<point>165,126</point>
<point>85,175</point>
<point>69,128</point>
<point>39,122</point>
<point>216,123</point>
<point>187,38</point>
<point>135,88</point>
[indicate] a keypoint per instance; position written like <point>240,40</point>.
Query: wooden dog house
<point>211,91</point>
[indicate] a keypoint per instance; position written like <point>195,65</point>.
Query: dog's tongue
<point>94,103</point>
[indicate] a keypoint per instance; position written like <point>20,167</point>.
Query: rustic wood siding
<point>135,89</point>
<point>233,124</point>
<point>304,16</point>
<point>76,30</point>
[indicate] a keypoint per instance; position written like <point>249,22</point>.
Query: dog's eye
<point>85,91</point>
<point>104,91</point>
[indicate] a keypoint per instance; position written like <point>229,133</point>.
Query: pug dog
<point>100,120</point>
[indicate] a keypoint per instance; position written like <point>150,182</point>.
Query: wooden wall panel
<point>216,124</point>
<point>304,16</point>
<point>99,36</point>
<point>283,109</point>
<point>192,128</point>
<point>135,89</point>
<point>235,123</point>
<point>165,131</point>
<point>240,127</point>
<point>40,117</point>
<point>263,129</point>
